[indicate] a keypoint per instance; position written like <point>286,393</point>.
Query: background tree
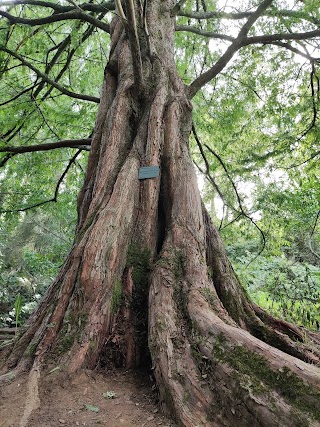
<point>147,270</point>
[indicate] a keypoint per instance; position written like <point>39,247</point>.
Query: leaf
<point>91,408</point>
<point>18,307</point>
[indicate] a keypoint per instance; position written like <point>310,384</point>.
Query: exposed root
<point>32,399</point>
<point>13,374</point>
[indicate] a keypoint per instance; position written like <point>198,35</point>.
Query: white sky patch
<point>201,181</point>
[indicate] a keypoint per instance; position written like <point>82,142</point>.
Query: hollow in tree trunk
<point>148,278</point>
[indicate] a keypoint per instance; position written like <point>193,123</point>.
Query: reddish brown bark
<point>148,260</point>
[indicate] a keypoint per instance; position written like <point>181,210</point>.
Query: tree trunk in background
<point>148,276</point>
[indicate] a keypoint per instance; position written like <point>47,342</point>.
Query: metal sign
<point>147,172</point>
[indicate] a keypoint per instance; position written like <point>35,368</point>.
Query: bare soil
<point>117,399</point>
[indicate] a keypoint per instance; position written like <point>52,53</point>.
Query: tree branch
<point>5,159</point>
<point>245,15</point>
<point>270,38</point>
<point>66,143</point>
<point>28,89</point>
<point>70,55</point>
<point>295,50</point>
<point>48,80</point>
<point>207,172</point>
<point>214,15</point>
<point>242,211</point>
<point>90,7</point>
<point>203,33</point>
<point>56,192</point>
<point>317,153</point>
<point>44,117</point>
<point>315,224</point>
<point>311,234</point>
<point>134,44</point>
<point>60,49</point>
<point>288,46</point>
<point>74,14</point>
<point>240,202</point>
<point>204,78</point>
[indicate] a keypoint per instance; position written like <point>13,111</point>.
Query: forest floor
<point>117,399</point>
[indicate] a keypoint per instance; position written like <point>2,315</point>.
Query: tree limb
<point>207,172</point>
<point>315,224</point>
<point>5,159</point>
<point>56,192</point>
<point>242,211</point>
<point>293,49</point>
<point>270,38</point>
<point>66,143</point>
<point>251,40</point>
<point>56,17</point>
<point>311,234</point>
<point>205,77</point>
<point>134,44</point>
<point>317,153</point>
<point>28,89</point>
<point>60,49</point>
<point>70,55</point>
<point>203,33</point>
<point>44,117</point>
<point>58,8</point>
<point>49,80</point>
<point>240,202</point>
<point>245,15</point>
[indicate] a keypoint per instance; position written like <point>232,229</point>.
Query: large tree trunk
<point>148,276</point>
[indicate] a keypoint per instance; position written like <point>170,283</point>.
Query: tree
<point>147,273</point>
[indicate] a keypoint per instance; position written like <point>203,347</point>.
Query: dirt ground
<point>118,399</point>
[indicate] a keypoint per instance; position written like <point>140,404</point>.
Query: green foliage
<point>32,249</point>
<point>33,243</point>
<point>18,308</point>
<point>288,288</point>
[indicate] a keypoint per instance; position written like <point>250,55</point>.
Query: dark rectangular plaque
<point>147,172</point>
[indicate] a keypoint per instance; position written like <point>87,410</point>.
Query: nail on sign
<point>149,172</point>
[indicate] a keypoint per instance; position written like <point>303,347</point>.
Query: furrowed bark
<point>210,370</point>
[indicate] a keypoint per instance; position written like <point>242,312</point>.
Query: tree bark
<point>148,272</point>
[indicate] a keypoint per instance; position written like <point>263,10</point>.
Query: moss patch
<point>285,382</point>
<point>31,350</point>
<point>64,342</point>
<point>140,261</point>
<point>233,307</point>
<point>210,297</point>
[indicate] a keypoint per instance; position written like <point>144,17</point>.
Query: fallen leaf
<point>91,408</point>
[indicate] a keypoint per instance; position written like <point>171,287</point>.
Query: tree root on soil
<point>32,398</point>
